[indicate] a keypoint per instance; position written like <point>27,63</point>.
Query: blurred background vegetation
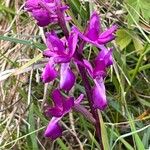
<point>126,121</point>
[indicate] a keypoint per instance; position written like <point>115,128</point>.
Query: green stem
<point>136,70</point>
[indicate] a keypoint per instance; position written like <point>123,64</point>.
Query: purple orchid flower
<point>61,52</point>
<point>101,62</point>
<point>62,107</point>
<point>94,35</point>
<point>97,72</point>
<point>44,11</point>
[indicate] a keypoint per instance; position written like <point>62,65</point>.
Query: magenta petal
<point>89,67</point>
<point>106,40</point>
<point>58,98</point>
<point>49,72</point>
<point>53,129</point>
<point>85,38</point>
<point>42,16</point>
<point>102,53</point>
<point>62,59</point>
<point>53,112</point>
<point>68,104</point>
<point>56,112</point>
<point>67,78</point>
<point>48,53</point>
<point>79,99</point>
<point>99,69</point>
<point>54,43</point>
<point>72,42</point>
<point>94,27</point>
<point>108,58</point>
<point>99,95</point>
<point>108,32</point>
<point>31,4</point>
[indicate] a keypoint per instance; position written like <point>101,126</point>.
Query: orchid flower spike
<point>62,107</point>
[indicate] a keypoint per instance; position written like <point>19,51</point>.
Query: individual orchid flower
<point>94,35</point>
<point>61,52</point>
<point>62,107</point>
<point>101,62</point>
<point>97,72</point>
<point>44,11</point>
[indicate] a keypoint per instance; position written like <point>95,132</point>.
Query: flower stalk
<point>88,90</point>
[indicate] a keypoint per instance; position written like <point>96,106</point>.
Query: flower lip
<point>62,107</point>
<point>49,72</point>
<point>99,94</point>
<point>67,77</point>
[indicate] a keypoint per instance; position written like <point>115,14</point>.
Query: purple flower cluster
<point>44,11</point>
<point>65,52</point>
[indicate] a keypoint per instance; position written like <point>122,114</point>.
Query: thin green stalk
<point>136,70</point>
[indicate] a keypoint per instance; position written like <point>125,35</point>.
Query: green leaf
<point>137,139</point>
<point>103,132</point>
<point>34,144</point>
<point>137,44</point>
<point>94,141</point>
<point>123,38</point>
<point>143,102</point>
<point>62,144</point>
<point>25,42</point>
<point>77,8</point>
<point>134,8</point>
<point>138,8</point>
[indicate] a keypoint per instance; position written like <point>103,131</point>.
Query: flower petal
<point>48,53</point>
<point>54,44</point>
<point>108,32</point>
<point>67,78</point>
<point>58,98</point>
<point>106,56</point>
<point>53,129</point>
<point>99,69</point>
<point>49,72</point>
<point>106,40</point>
<point>54,112</point>
<point>86,39</point>
<point>62,59</point>
<point>42,16</point>
<point>31,4</point>
<point>72,42</point>
<point>79,99</point>
<point>68,104</point>
<point>99,95</point>
<point>89,67</point>
<point>94,27</point>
